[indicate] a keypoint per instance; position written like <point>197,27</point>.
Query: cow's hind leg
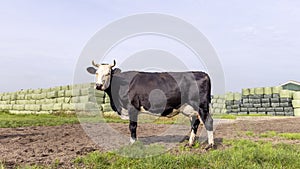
<point>133,117</point>
<point>194,127</point>
<point>208,123</point>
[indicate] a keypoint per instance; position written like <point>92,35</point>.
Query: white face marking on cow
<point>103,76</point>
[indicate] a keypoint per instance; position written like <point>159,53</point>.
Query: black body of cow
<point>160,94</point>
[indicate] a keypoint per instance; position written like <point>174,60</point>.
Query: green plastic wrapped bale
<point>274,100</point>
<point>296,103</point>
<point>245,92</point>
<point>41,96</point>
<point>278,109</point>
<point>57,106</point>
<point>68,106</point>
<point>269,109</point>
<point>265,100</point>
<point>33,107</point>
<point>259,91</point>
<point>60,100</point>
<point>229,96</point>
<point>255,101</point>
<point>244,109</point>
<point>276,89</point>
<point>86,106</point>
<point>268,90</point>
<point>106,107</point>
<point>21,101</point>
<point>237,96</point>
<point>18,107</point>
<point>286,94</point>
<point>290,113</point>
<point>53,94</point>
<point>247,105</point>
<point>296,95</point>
<point>61,93</point>
<point>85,99</point>
<point>20,96</point>
<point>275,104</point>
<point>47,107</point>
<point>285,104</point>
<point>280,113</point>
<point>261,109</point>
<point>252,109</point>
<point>76,92</point>
<point>257,105</point>
<point>271,113</point>
<point>252,91</point>
<point>245,100</point>
<point>288,109</point>
<point>266,105</point>
<point>68,93</point>
<point>297,112</point>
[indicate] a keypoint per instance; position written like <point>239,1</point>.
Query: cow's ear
<point>116,70</point>
<point>91,70</point>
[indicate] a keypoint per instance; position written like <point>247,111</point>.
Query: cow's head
<point>103,74</point>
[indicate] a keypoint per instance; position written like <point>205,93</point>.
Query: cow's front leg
<point>133,117</point>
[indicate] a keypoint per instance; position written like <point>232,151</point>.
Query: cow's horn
<point>114,64</point>
<point>95,64</point>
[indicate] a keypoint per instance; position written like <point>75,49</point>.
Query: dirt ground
<point>45,145</point>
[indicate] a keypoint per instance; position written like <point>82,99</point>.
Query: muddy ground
<point>45,145</point>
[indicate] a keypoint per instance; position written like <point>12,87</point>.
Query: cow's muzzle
<point>99,86</point>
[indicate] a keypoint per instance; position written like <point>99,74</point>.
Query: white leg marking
<point>192,138</point>
<point>210,135</point>
<point>124,114</point>
<point>132,140</point>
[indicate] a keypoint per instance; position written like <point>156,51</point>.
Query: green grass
<point>240,154</point>
<point>268,134</point>
<point>290,136</point>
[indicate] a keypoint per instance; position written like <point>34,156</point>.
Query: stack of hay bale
<point>233,102</point>
<point>296,103</point>
<point>70,98</point>
<point>218,104</point>
<point>267,100</point>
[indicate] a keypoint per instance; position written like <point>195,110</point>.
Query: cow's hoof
<point>208,147</point>
<point>132,140</point>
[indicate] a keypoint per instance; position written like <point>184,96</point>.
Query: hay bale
<point>271,113</point>
<point>276,89</point>
<point>278,109</point>
<point>255,101</point>
<point>48,101</point>
<point>47,107</point>
<point>237,96</point>
<point>275,100</point>
<point>296,95</point>
<point>106,107</point>
<point>288,109</point>
<point>244,109</point>
<point>285,94</point>
<point>275,95</point>
<point>76,92</point>
<point>296,103</point>
<point>281,113</point>
<point>68,93</point>
<point>41,96</point>
<point>20,96</point>
<point>297,112</point>
<point>259,91</point>
<point>85,99</point>
<point>265,100</point>
<point>57,106</point>
<point>267,96</point>
<point>245,100</point>
<point>268,90</point>
<point>246,92</point>
<point>290,113</point>
<point>37,91</point>
<point>261,109</point>
<point>275,104</point>
<point>269,109</point>
<point>252,91</point>
<point>18,107</point>
<point>21,101</point>
<point>247,105</point>
<point>266,105</point>
<point>53,94</point>
<point>252,109</point>
<point>33,107</point>
<point>285,104</point>
<point>68,106</point>
<point>61,93</point>
<point>30,102</point>
<point>257,105</point>
<point>60,100</point>
<point>229,96</point>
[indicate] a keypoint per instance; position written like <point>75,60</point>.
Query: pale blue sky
<point>40,41</point>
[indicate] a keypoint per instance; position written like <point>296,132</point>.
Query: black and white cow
<point>163,94</point>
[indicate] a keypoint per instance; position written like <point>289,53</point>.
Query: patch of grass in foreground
<point>241,154</point>
<point>8,120</point>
